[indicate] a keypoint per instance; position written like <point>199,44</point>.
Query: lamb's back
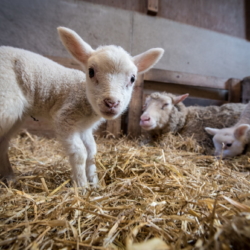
<point>36,70</point>
<point>43,81</point>
<point>211,116</point>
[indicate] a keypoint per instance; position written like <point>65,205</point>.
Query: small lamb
<point>229,142</point>
<point>165,112</point>
<point>75,103</point>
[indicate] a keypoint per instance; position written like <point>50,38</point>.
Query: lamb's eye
<point>91,72</point>
<point>229,145</point>
<point>132,79</point>
<point>164,105</point>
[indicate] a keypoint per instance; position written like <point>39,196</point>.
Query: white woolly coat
<point>40,92</point>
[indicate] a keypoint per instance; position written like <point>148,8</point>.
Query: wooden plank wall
<point>225,16</point>
<point>214,90</point>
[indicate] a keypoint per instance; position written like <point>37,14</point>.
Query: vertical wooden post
<point>114,127</point>
<point>135,107</point>
<point>152,7</point>
<point>247,19</point>
<point>245,94</point>
<point>234,92</point>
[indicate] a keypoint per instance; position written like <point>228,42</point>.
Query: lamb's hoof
<point>81,187</point>
<point>93,181</point>
<point>94,185</point>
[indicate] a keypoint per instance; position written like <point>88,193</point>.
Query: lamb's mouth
<point>146,125</point>
<point>109,113</point>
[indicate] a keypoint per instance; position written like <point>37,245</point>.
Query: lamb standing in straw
<point>165,112</point>
<point>229,142</point>
<point>31,85</point>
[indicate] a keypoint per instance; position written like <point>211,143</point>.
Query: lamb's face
<point>226,145</point>
<point>156,112</point>
<point>110,76</point>
<point>229,142</point>
<point>110,72</point>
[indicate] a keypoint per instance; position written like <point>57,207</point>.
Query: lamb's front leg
<point>89,142</point>
<point>6,170</point>
<point>5,167</point>
<point>77,157</point>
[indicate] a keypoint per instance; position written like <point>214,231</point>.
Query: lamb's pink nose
<point>110,103</point>
<point>145,118</point>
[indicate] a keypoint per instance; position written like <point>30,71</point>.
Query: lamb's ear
<point>79,49</point>
<point>212,131</point>
<point>240,131</point>
<point>179,98</point>
<point>148,59</point>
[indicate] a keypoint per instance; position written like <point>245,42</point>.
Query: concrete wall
<point>31,24</point>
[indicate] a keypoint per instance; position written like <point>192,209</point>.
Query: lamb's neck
<point>86,108</point>
<point>177,119</point>
<point>88,118</point>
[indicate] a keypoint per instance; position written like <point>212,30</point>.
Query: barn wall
<point>31,24</point>
<point>225,16</point>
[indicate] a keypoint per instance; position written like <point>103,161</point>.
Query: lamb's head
<point>110,72</point>
<point>229,142</point>
<point>157,109</point>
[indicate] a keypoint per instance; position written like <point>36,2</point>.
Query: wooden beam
<point>114,127</point>
<point>167,76</point>
<point>152,7</point>
<point>180,89</point>
<point>245,94</point>
<point>135,108</point>
<point>234,93</point>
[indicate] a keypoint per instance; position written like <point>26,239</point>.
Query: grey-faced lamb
<point>165,112</point>
<point>32,85</point>
<point>229,142</point>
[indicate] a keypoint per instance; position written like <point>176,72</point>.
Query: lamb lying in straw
<point>31,85</point>
<point>229,142</point>
<point>165,112</point>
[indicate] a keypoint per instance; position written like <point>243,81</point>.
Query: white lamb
<point>32,85</point>
<point>229,142</point>
<point>165,112</point>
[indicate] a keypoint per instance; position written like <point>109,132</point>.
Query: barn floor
<point>171,193</point>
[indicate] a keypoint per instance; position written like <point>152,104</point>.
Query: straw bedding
<point>162,196</point>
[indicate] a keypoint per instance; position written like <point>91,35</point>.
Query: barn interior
<point>161,195</point>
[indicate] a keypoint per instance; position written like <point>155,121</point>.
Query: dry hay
<point>169,196</point>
